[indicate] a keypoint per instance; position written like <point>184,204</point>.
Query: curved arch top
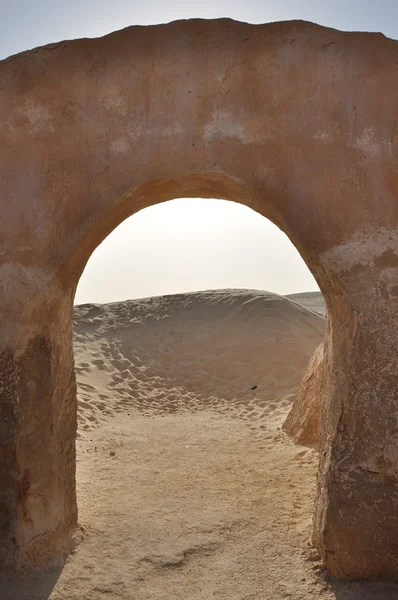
<point>289,112</point>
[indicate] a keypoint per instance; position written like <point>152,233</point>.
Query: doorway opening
<point>183,386</point>
<point>190,282</point>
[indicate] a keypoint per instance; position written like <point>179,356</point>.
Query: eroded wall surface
<point>294,120</point>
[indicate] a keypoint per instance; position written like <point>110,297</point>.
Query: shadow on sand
<point>19,585</point>
<point>364,591</point>
<point>35,585</point>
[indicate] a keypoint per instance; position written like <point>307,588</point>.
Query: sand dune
<point>311,300</point>
<point>235,352</point>
<point>188,489</point>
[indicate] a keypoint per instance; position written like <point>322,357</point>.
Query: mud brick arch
<point>298,122</point>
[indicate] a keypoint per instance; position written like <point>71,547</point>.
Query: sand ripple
<point>239,352</point>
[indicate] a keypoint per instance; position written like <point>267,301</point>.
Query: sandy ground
<point>187,487</point>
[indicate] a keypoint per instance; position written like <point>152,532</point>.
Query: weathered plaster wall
<point>296,121</point>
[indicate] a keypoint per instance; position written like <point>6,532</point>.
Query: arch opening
<point>176,239</point>
<point>196,384</point>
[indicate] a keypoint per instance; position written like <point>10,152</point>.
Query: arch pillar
<point>356,521</point>
<point>38,510</point>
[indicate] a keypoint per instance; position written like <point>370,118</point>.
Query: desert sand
<point>188,489</point>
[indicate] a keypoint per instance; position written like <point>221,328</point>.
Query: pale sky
<point>185,244</point>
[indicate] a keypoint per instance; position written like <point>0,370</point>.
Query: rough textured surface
<point>302,422</point>
<point>284,118</point>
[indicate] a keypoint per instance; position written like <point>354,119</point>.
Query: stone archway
<point>285,118</point>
